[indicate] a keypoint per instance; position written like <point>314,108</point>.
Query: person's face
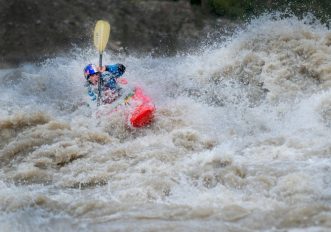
<point>94,78</point>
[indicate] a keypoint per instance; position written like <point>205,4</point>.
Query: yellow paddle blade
<point>101,35</point>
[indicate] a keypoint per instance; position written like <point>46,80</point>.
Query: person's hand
<point>101,68</point>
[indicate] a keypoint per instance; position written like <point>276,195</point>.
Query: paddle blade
<point>101,35</point>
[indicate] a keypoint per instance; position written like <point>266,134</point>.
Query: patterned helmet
<point>89,70</point>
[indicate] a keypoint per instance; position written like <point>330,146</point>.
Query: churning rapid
<point>240,140</point>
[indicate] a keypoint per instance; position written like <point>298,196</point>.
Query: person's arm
<point>113,69</point>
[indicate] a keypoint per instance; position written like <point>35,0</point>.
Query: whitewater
<point>240,140</point>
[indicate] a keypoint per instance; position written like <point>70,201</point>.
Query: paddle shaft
<point>100,80</point>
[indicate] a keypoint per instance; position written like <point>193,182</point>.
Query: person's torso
<point>109,81</point>
<point>110,90</point>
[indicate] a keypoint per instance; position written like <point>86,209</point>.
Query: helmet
<point>89,70</point>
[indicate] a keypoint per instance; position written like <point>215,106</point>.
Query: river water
<point>240,140</point>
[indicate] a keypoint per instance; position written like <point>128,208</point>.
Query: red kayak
<point>142,109</point>
<point>138,108</point>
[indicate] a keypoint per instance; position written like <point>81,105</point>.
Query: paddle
<point>101,36</point>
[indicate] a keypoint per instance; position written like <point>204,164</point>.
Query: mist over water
<point>240,141</point>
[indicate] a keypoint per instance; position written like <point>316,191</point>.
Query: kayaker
<point>109,75</point>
